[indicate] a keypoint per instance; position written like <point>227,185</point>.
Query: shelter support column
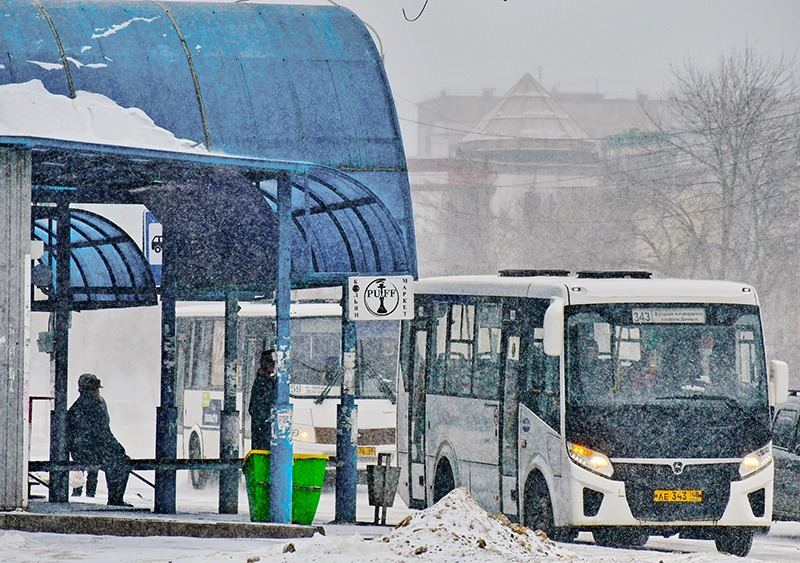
<point>281,445</point>
<point>347,423</point>
<point>59,480</point>
<point>15,228</point>
<point>229,420</point>
<point>167,412</point>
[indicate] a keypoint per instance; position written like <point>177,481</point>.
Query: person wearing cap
<point>90,439</point>
<point>262,399</point>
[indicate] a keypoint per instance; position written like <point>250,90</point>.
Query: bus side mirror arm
<point>554,327</point>
<point>778,382</point>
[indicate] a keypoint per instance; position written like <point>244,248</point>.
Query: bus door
<point>539,411</point>
<point>512,371</point>
<point>416,413</point>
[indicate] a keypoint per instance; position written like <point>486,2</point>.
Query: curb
<point>124,526</point>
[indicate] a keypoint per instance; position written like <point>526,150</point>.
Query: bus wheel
<point>736,541</point>
<point>537,509</point>
<point>619,537</point>
<point>443,482</point>
<point>199,477</point>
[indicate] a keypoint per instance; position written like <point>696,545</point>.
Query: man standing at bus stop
<point>262,399</point>
<point>91,441</point>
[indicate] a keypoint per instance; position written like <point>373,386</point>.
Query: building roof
<point>527,111</point>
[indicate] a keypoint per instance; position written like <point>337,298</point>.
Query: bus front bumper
<point>594,500</point>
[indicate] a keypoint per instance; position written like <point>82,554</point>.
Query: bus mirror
<point>554,328</point>
<point>778,382</point>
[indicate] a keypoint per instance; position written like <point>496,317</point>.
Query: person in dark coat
<point>90,439</point>
<point>262,399</point>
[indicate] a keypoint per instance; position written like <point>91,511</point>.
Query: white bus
<point>588,403</point>
<point>315,384</point>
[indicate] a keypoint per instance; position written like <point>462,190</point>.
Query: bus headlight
<point>303,433</point>
<point>755,461</point>
<point>590,459</point>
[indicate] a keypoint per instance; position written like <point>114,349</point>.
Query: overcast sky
<point>616,47</point>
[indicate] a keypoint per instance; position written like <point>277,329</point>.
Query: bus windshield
<point>644,368</point>
<point>316,359</point>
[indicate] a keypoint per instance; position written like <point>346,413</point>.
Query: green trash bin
<point>256,476</point>
<point>308,474</point>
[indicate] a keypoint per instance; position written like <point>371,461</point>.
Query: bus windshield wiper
<point>324,395</point>
<point>385,388</point>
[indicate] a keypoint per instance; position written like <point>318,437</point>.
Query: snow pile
<point>29,109</point>
<point>457,529</point>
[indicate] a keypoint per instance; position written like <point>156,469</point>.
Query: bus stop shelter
<point>295,175</point>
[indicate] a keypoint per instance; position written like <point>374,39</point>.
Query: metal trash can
<point>256,474</point>
<point>382,481</point>
<point>308,473</point>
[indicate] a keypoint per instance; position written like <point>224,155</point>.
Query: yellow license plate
<point>677,495</point>
<point>365,450</point>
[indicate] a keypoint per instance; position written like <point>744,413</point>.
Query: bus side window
<point>436,379</point>
<point>182,362</point>
<point>406,355</point>
<point>461,348</point>
<point>218,355</point>
<point>200,375</point>
<point>532,378</point>
<point>486,378</point>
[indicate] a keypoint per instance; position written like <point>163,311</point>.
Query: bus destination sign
<point>669,316</point>
<point>373,298</point>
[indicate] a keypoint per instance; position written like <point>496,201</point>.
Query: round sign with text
<point>381,297</point>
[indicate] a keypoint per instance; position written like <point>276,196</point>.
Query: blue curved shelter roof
<point>262,80</point>
<point>301,84</point>
<point>106,268</point>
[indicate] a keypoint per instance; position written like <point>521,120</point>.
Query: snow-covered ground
<point>454,530</point>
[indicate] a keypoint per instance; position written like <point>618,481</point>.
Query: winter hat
<point>88,382</point>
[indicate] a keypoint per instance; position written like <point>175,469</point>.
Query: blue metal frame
<point>106,267</point>
<point>293,94</point>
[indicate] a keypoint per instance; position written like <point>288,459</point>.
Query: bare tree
<point>716,195</point>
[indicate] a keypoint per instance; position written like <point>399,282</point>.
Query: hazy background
<point>616,47</point>
<point>619,48</point>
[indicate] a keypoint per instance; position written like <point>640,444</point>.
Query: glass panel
<point>436,382</point>
<point>459,356</point>
<point>376,365</point>
<point>218,355</point>
<point>200,376</point>
<point>418,396</point>
<point>511,396</point>
<point>611,359</point>
<point>783,430</point>
<point>486,380</point>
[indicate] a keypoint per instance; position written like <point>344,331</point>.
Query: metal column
<point>167,413</point>
<point>347,423</point>
<point>281,445</point>
<point>229,420</point>
<point>59,480</point>
<point>15,229</point>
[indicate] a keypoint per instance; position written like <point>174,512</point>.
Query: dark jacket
<point>89,435</point>
<point>262,399</point>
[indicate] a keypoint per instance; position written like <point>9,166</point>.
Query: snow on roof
<point>457,529</point>
<point>29,110</point>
